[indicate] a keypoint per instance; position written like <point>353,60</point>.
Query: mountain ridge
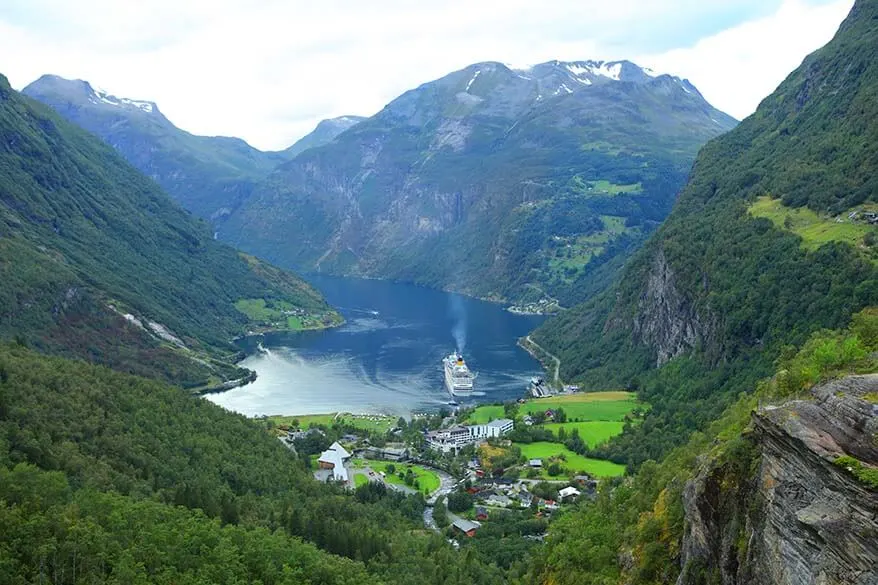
<point>209,175</point>
<point>325,132</point>
<point>489,160</point>
<point>100,264</point>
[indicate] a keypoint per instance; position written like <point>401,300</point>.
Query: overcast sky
<point>269,70</point>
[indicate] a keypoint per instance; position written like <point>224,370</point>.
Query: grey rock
<point>666,320</point>
<point>799,519</point>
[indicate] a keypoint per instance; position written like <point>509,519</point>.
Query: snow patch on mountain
<point>103,96</point>
<point>613,71</point>
<point>600,68</point>
<point>471,81</point>
<point>563,88</point>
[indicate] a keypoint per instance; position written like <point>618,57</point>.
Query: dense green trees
<point>459,501</point>
<point>90,457</point>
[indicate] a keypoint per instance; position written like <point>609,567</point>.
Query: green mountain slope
<point>110,478</point>
<point>97,262</point>
<point>740,501</point>
<point>501,183</point>
<point>703,310</point>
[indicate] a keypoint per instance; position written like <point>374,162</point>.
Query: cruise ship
<point>458,377</point>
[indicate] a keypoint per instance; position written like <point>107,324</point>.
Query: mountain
<point>498,182</point>
<point>97,262</point>
<point>209,176</point>
<point>324,133</point>
<point>749,322</point>
<point>772,239</point>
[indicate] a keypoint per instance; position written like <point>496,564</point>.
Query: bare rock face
<point>666,320</point>
<point>798,517</point>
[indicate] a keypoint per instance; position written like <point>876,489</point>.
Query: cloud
<point>269,70</point>
<point>736,68</point>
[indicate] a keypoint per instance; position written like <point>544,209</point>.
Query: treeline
<point>91,457</point>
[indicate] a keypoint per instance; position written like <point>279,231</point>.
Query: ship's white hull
<point>458,378</point>
<point>457,389</point>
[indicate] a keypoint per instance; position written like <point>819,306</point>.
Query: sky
<point>269,70</point>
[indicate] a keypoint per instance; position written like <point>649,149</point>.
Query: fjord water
<point>386,358</point>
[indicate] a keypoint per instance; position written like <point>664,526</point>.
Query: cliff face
<point>666,320</point>
<point>786,511</point>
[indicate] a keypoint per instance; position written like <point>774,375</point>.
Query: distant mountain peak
<point>325,132</point>
<point>79,91</point>
<point>590,72</point>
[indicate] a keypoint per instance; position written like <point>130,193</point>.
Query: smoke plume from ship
<point>457,311</point>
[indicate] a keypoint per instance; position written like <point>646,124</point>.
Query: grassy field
<point>360,479</point>
<point>593,433</point>
<point>486,413</point>
<point>815,230</point>
<point>587,406</point>
<point>428,481</point>
<point>277,315</point>
<point>573,462</point>
<point>259,310</point>
<point>368,422</point>
<point>567,260</point>
<point>304,421</point>
<point>603,186</point>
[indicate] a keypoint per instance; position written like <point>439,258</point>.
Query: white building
<point>495,428</point>
<point>446,440</point>
<point>568,492</point>
<point>334,459</point>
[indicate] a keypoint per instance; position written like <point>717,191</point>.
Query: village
<point>520,463</point>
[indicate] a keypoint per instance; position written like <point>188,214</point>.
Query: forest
<point>85,239</point>
<point>91,457</point>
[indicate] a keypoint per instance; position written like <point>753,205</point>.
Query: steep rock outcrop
<point>666,320</point>
<point>786,511</point>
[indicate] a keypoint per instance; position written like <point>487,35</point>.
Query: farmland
<point>587,406</point>
<point>593,433</point>
<point>570,461</point>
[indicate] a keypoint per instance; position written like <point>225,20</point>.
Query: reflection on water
<point>386,358</point>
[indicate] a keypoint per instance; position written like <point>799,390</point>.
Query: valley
<point>671,315</point>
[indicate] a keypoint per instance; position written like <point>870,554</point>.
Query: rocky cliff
<point>666,320</point>
<point>798,505</point>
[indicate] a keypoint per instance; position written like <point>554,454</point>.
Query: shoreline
<point>538,353</point>
<point>241,355</point>
<point>494,300</point>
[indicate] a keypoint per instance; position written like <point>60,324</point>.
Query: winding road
<point>557,378</point>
